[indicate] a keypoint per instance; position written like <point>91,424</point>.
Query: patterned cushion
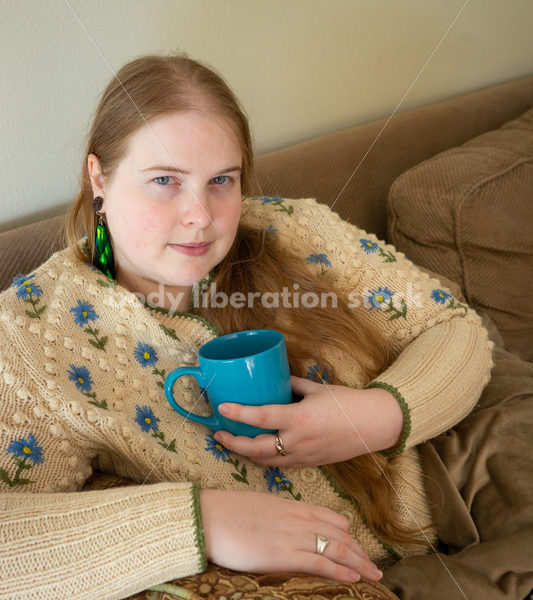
<point>468,214</point>
<point>217,582</point>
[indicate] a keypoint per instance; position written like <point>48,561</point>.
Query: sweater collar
<point>103,280</point>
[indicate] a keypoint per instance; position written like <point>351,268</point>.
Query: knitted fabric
<point>81,374</point>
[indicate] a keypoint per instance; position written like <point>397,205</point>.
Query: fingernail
<point>223,409</point>
<point>355,577</point>
<point>377,573</point>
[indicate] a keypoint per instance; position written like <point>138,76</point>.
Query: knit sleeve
<point>60,543</point>
<point>442,355</point>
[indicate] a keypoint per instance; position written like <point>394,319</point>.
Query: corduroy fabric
<point>353,169</point>
<point>468,213</point>
<point>24,248</point>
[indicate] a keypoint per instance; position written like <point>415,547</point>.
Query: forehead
<point>184,134</point>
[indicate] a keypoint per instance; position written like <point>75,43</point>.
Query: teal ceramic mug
<point>246,367</point>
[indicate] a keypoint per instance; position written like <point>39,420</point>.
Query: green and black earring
<point>103,259</point>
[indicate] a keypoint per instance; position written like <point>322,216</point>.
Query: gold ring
<point>279,446</point>
<point>321,544</point>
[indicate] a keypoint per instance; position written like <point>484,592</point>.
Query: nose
<point>196,210</point>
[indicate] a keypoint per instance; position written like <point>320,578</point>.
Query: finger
<point>302,385</point>
<point>321,513</point>
<point>344,557</point>
<point>341,526</point>
<point>343,549</point>
<point>259,447</point>
<point>340,534</point>
<point>314,564</point>
<point>267,416</point>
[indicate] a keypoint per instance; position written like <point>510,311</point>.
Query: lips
<point>191,248</point>
<point>193,244</point>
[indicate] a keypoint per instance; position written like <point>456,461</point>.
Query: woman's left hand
<point>332,423</point>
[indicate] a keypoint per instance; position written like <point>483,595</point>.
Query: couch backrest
<point>351,170</point>
<point>354,169</point>
<point>24,248</point>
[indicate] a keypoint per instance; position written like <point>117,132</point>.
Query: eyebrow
<point>183,172</point>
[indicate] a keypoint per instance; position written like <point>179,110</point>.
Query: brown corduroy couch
<point>460,205</point>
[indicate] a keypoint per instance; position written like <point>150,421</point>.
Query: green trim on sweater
<point>172,591</point>
<point>340,492</point>
<point>406,416</point>
<point>202,320</point>
<point>199,528</point>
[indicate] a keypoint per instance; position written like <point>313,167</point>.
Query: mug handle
<point>196,372</point>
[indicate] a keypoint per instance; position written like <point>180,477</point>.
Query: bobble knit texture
<point>81,373</point>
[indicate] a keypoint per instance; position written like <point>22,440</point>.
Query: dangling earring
<point>103,259</point>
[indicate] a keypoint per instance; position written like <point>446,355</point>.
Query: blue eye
<point>163,180</point>
<point>221,179</point>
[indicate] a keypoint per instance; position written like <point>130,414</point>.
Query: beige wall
<point>300,67</point>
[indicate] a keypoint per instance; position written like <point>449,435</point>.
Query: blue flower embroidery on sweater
<point>276,479</point>
<point>146,418</point>
<point>319,259</point>
<point>29,292</point>
<point>217,449</point>
<point>81,377</point>
<point>83,313</point>
<point>21,280</point>
<point>145,354</point>
<point>269,199</point>
<point>149,422</point>
<point>379,298</point>
<point>276,201</point>
<point>221,453</point>
<point>272,230</point>
<point>382,299</point>
<point>25,452</point>
<point>368,246</point>
<point>317,373</point>
<point>440,296</point>
<point>26,287</point>
<point>84,383</point>
<point>27,449</point>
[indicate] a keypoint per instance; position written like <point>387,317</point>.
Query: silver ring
<point>279,446</point>
<point>321,544</point>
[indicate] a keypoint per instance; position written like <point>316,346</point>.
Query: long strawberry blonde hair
<point>154,85</point>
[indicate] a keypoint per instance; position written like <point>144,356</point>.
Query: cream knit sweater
<point>82,363</point>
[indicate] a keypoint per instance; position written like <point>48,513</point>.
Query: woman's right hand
<point>257,532</point>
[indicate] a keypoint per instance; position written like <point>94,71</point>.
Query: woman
<point>92,333</point>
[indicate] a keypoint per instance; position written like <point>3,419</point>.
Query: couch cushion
<point>468,214</point>
<point>25,248</point>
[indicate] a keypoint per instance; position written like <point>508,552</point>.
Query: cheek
<point>231,217</point>
<point>153,218</point>
<point>139,226</point>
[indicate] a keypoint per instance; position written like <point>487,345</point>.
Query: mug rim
<point>243,333</point>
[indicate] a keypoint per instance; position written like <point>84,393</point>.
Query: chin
<point>184,281</point>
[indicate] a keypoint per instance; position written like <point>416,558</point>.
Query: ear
<point>96,175</point>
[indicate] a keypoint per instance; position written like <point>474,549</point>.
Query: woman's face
<point>178,184</point>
